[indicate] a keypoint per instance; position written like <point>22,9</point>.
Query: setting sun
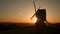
<point>34,19</point>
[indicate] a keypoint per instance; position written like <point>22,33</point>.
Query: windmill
<point>40,13</point>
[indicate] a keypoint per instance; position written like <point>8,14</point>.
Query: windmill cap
<point>41,9</point>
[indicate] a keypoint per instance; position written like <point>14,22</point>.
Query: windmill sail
<point>34,8</point>
<point>34,5</point>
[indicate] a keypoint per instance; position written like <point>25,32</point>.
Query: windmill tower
<point>40,15</point>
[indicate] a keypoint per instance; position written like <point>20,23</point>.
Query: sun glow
<point>34,19</point>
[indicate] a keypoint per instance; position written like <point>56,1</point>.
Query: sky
<point>22,10</point>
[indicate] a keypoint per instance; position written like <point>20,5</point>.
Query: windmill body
<point>40,15</point>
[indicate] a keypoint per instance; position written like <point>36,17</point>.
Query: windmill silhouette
<point>41,17</point>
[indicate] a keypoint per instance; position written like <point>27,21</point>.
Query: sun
<point>34,19</point>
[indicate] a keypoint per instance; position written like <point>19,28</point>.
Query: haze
<point>22,10</point>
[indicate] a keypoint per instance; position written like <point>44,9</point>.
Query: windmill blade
<point>34,5</point>
<point>34,8</point>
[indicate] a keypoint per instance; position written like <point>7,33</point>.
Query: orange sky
<point>22,10</point>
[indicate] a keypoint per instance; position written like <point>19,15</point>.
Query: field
<point>21,28</point>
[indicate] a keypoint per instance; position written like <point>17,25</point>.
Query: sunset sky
<point>22,10</point>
